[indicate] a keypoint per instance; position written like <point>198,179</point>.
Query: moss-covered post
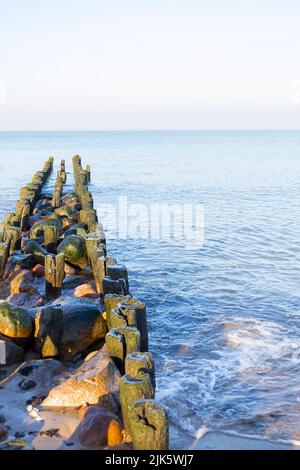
<point>4,254</point>
<point>24,217</point>
<point>88,172</point>
<point>116,318</point>
<point>54,275</point>
<point>140,362</point>
<point>114,287</point>
<point>111,301</point>
<point>141,317</point>
<point>92,243</point>
<point>57,192</point>
<point>62,173</point>
<point>99,270</point>
<point>131,390</point>
<point>51,235</point>
<point>117,271</point>
<point>149,427</point>
<point>13,235</point>
<point>120,342</point>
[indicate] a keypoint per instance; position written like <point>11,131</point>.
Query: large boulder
<point>38,229</point>
<point>15,322</point>
<point>95,378</point>
<point>78,326</point>
<point>67,211</point>
<point>28,300</point>
<point>10,353</point>
<point>99,428</point>
<point>36,250</point>
<point>73,247</point>
<point>19,261</point>
<point>43,204</point>
<point>86,290</point>
<point>22,282</point>
<point>48,330</point>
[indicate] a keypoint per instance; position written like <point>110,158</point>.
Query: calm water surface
<point>224,319</point>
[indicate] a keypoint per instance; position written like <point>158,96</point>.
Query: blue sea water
<point>224,319</point>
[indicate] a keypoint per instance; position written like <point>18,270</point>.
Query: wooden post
<point>141,318</point>
<point>91,242</point>
<point>51,235</point>
<point>131,390</point>
<point>54,275</point>
<point>149,427</point>
<point>57,192</point>
<point>116,318</point>
<point>111,301</point>
<point>87,216</point>
<point>13,235</point>
<point>110,286</point>
<point>4,254</point>
<point>99,273</point>
<point>117,271</point>
<point>120,342</point>
<point>88,171</point>
<point>24,217</point>
<point>140,362</point>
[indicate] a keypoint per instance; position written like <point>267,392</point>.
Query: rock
<point>67,223</point>
<point>10,353</point>
<point>27,384</point>
<point>43,204</point>
<point>15,322</point>
<point>69,269</point>
<point>36,250</point>
<point>38,229</point>
<point>38,270</point>
<point>32,300</point>
<point>48,330</point>
<point>3,432</point>
<point>82,325</point>
<point>77,229</point>
<point>99,428</point>
<point>48,196</point>
<point>87,290</point>
<point>22,282</point>
<point>73,247</point>
<point>19,261</point>
<point>68,211</point>
<point>70,196</point>
<point>94,379</point>
<point>33,219</point>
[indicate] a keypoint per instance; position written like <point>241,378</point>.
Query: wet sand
<point>223,441</point>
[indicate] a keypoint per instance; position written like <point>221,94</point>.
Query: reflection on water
<point>224,319</point>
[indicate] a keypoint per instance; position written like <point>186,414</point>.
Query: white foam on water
<point>206,393</point>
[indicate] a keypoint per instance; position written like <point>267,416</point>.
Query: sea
<point>224,314</point>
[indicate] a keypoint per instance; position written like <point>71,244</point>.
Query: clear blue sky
<point>149,64</point>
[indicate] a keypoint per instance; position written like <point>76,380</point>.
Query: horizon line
<point>250,129</point>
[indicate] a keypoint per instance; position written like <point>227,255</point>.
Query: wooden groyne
<point>72,336</point>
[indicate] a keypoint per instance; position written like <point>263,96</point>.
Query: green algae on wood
<point>149,427</point>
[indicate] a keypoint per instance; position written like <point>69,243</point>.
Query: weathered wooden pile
<point>66,302</point>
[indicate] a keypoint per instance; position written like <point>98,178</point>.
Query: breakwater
<point>67,310</point>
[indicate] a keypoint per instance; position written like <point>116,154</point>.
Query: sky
<point>149,64</point>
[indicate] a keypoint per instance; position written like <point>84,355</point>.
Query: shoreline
<point>221,440</point>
